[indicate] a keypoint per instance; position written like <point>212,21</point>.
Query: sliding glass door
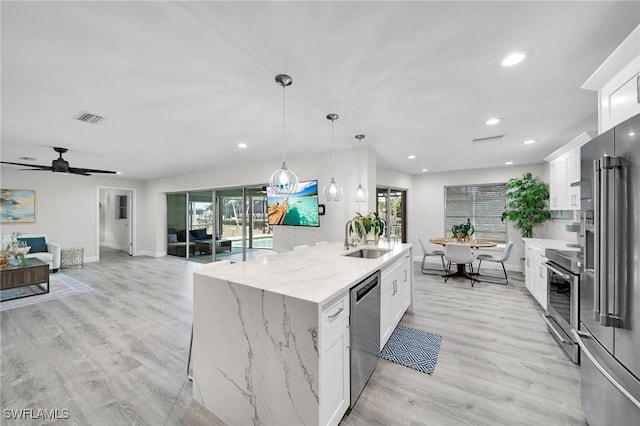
<point>215,225</point>
<point>242,220</point>
<point>392,206</point>
<point>190,225</point>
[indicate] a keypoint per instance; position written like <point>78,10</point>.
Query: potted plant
<point>377,225</point>
<point>361,225</point>
<point>526,203</point>
<point>464,231</point>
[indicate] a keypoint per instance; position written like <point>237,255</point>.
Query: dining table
<point>474,244</point>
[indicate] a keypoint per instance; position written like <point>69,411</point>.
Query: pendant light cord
<point>283,126</point>
<point>332,142</point>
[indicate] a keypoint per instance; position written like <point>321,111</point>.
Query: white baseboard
<point>89,259</point>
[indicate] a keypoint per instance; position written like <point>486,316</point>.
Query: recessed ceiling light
<point>529,142</point>
<point>632,134</point>
<point>242,145</point>
<point>509,163</point>
<point>411,157</point>
<point>425,170</point>
<point>513,59</point>
<point>118,173</point>
<point>492,121</point>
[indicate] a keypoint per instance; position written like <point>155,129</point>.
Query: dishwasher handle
<point>362,292</point>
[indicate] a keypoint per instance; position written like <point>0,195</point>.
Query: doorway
<point>392,206</point>
<point>116,219</point>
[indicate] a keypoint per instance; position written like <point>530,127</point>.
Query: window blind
<point>483,204</point>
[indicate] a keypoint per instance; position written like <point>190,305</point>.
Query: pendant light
<point>333,191</point>
<point>283,181</point>
<point>360,195</point>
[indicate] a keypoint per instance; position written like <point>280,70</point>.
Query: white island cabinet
<point>271,335</point>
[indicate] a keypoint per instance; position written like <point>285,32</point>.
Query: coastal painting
<point>17,206</point>
<point>297,209</point>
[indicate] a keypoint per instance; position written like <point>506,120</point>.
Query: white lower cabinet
<point>397,290</point>
<point>536,273</point>
<point>334,361</point>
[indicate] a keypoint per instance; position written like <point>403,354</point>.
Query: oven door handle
<point>555,271</point>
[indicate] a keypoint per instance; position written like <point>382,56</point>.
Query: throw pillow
<point>172,238</point>
<point>200,234</point>
<point>37,244</point>
<point>182,236</point>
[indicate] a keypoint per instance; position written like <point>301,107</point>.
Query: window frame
<point>474,189</point>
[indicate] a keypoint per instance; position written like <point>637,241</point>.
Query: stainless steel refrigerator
<point>609,334</point>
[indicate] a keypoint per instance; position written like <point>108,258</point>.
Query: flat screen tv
<point>297,209</point>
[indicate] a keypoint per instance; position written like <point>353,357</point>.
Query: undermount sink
<point>368,253</point>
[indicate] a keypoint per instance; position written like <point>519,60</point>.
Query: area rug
<point>60,286</point>
<point>413,348</point>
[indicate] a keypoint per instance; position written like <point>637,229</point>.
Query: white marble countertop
<point>548,243</point>
<point>315,274</point>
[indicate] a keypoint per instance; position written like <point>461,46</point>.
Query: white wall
<point>429,202</point>
<point>66,206</point>
<point>352,166</point>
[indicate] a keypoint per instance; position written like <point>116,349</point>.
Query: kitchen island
<point>271,336</point>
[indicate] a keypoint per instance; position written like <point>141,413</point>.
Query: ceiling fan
<point>60,165</point>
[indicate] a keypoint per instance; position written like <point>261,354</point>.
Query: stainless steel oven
<point>563,285</point>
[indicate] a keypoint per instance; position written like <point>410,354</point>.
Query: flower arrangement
<point>15,250</point>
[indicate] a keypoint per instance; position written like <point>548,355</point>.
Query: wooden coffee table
<point>36,272</point>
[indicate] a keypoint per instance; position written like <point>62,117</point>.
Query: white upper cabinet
<point>617,82</point>
<point>564,174</point>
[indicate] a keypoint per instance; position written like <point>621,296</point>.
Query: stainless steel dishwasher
<point>365,332</point>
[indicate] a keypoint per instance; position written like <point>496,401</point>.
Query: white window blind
<point>483,204</point>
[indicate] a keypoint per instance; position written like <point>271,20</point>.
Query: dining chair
<point>426,253</point>
<point>459,254</point>
<point>206,267</point>
<point>500,258</point>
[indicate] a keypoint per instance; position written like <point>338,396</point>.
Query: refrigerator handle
<point>596,240</point>
<point>578,335</point>
<point>608,317</point>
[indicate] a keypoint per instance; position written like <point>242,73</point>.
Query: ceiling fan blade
<point>28,165</point>
<point>80,171</point>
<point>38,169</point>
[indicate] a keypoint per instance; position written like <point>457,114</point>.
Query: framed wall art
<point>17,206</point>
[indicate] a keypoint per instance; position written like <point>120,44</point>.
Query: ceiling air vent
<point>89,118</point>
<point>489,139</point>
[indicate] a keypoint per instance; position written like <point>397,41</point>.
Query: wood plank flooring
<point>117,355</point>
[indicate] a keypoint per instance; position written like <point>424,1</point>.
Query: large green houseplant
<point>526,203</point>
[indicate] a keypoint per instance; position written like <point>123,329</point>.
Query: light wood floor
<point>117,355</point>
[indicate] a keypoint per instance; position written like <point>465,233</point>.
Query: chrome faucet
<point>346,235</point>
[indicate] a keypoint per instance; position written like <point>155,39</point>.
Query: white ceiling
<point>182,83</point>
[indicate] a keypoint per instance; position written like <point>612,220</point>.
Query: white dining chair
<point>435,253</point>
<point>500,258</point>
<point>460,254</point>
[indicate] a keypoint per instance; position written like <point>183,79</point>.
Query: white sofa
<point>51,256</point>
